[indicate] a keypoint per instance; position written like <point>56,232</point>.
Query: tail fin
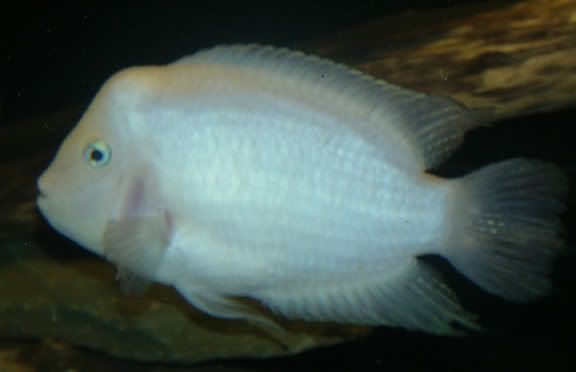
<point>505,237</point>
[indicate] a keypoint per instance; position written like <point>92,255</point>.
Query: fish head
<point>80,191</point>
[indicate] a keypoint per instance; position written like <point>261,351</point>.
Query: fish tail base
<point>507,234</point>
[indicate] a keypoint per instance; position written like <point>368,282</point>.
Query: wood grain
<point>515,57</point>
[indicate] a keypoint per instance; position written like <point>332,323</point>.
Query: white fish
<point>249,171</point>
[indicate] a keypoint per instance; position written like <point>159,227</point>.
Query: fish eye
<point>97,154</point>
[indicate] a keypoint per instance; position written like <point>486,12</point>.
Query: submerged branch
<point>515,57</point>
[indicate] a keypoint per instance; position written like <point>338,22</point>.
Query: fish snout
<point>41,187</point>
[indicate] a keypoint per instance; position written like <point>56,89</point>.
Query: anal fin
<point>414,297</point>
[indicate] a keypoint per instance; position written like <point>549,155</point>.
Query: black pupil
<point>96,155</point>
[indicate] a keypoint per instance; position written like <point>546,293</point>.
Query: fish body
<point>249,171</point>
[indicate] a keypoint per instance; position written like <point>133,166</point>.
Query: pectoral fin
<point>136,245</point>
<point>137,238</point>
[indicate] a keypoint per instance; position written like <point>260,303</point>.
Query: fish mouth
<point>41,195</point>
<point>41,200</point>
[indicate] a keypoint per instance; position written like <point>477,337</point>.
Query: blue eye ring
<point>97,154</point>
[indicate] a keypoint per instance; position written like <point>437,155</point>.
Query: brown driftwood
<point>514,57</point>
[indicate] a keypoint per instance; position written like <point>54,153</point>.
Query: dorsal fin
<point>434,125</point>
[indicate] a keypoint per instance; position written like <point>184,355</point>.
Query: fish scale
<point>338,193</point>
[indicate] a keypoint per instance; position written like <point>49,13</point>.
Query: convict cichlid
<point>246,171</point>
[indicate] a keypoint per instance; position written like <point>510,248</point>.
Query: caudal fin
<point>505,234</point>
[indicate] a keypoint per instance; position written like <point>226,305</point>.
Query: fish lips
<point>41,196</point>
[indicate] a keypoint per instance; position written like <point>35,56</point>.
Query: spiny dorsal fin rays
<point>434,125</point>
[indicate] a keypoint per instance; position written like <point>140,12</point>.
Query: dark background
<point>53,58</point>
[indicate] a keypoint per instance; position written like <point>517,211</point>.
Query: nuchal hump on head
<point>133,86</point>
